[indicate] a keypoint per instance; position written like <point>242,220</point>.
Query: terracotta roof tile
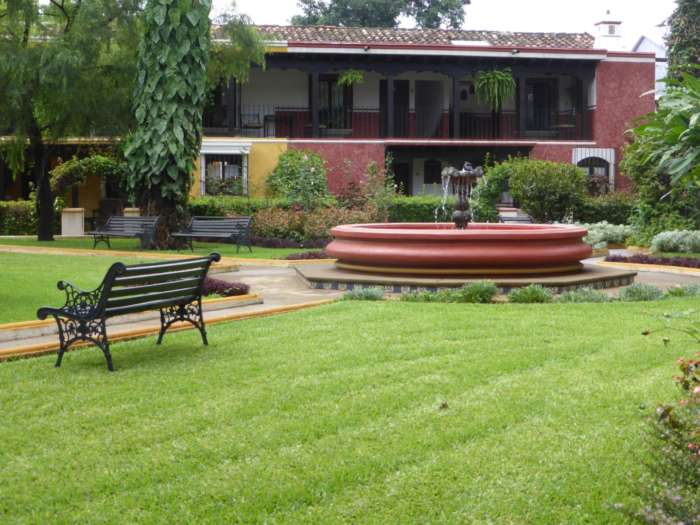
<point>422,37</point>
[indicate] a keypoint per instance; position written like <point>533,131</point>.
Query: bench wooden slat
<point>141,298</point>
<point>149,268</point>
<point>158,287</point>
<point>159,277</point>
<point>150,305</point>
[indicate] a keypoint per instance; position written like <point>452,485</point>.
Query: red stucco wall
<point>336,154</point>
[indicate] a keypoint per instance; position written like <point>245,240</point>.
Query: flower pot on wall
<point>73,222</point>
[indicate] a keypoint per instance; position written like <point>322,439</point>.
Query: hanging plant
<point>350,77</point>
<point>495,87</point>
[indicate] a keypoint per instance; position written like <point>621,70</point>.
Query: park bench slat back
<point>173,287</point>
<point>143,228</point>
<point>235,229</point>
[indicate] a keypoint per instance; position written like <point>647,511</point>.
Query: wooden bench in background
<point>173,287</point>
<point>143,228</point>
<point>233,229</point>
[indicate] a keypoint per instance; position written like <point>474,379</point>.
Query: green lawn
<point>200,248</point>
<point>678,254</point>
<point>354,412</point>
<point>28,281</point>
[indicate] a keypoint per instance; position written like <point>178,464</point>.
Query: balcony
<point>415,123</point>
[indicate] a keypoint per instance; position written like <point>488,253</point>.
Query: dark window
<point>432,169</point>
<point>542,99</point>
<point>335,103</point>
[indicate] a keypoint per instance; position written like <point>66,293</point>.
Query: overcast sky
<point>638,16</point>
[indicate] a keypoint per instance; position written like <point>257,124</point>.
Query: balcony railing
<point>373,122</point>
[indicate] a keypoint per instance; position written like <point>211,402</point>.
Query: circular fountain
<point>416,256</point>
<point>443,249</point>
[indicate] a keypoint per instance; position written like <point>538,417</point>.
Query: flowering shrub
<point>687,262</point>
<point>533,293</point>
<point>223,288</point>
<point>603,233</point>
<point>300,178</point>
<point>684,241</point>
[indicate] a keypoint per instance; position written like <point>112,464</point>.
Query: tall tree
<point>170,95</point>
<point>66,68</point>
<point>381,13</point>
<point>683,41</point>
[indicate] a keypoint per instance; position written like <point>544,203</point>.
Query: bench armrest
<point>78,302</point>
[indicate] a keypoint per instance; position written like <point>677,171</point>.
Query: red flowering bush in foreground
<point>672,492</point>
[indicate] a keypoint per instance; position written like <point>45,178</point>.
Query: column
<point>522,106</point>
<point>315,92</point>
<point>244,173</point>
<point>456,130</point>
<point>391,116</point>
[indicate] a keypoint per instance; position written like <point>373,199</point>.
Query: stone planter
<point>132,212</point>
<point>73,222</point>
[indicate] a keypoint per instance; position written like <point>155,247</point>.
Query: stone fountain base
<point>330,277</point>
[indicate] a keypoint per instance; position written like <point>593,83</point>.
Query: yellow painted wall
<point>261,161</point>
<point>89,195</point>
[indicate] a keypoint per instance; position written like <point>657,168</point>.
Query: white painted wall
<point>276,87</point>
<point>419,187</point>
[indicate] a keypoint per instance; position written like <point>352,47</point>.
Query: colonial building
<point>416,102</point>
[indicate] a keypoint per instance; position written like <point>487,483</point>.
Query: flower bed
<point>686,262</point>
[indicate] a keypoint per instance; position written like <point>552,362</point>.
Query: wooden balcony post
<point>391,116</point>
<point>315,92</point>
<point>456,131</point>
<point>522,105</point>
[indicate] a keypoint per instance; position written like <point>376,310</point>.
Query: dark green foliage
<point>489,189</point>
<point>420,208</point>
<point>481,292</point>
<point>683,40</point>
<point>66,69</point>
<point>547,191</point>
<point>640,292</point>
<point>169,98</point>
<point>74,172</point>
<point>615,208</point>
<point>223,205</point>
<point>300,179</point>
<point>583,295</point>
<point>19,218</point>
<point>234,58</point>
<point>533,293</point>
<point>381,13</point>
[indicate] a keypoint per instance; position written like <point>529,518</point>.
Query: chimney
<point>608,33</point>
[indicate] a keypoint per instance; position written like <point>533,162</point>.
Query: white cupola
<point>608,32</point>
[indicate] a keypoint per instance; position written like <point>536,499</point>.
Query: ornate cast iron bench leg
<point>92,330</point>
<point>191,313</point>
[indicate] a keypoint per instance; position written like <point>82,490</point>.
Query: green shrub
<point>683,241</point>
<point>583,295</point>
<point>477,292</point>
<point>614,208</point>
<point>74,172</point>
<point>222,205</point>
<point>640,292</point>
<point>533,293</point>
<point>688,290</point>
<point>420,208</point>
<point>300,178</point>
<point>488,190</point>
<point>19,217</point>
<point>365,294</point>
<point>547,191</point>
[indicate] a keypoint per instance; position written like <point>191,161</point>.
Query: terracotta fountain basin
<point>440,249</point>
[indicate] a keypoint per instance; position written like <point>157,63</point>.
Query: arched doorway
<point>598,171</point>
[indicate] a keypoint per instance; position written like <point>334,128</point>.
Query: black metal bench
<point>143,228</point>
<point>173,287</point>
<point>234,229</point>
<point>515,219</point>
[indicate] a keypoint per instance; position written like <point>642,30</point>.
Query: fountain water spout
<point>461,182</point>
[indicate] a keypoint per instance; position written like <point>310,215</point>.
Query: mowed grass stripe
<point>406,396</point>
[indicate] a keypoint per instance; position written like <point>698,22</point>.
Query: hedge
<point>221,205</point>
<point>19,218</point>
<point>614,208</point>
<point>419,209</point>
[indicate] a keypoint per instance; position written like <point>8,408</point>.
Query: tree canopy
<point>66,69</point>
<point>381,13</point>
<point>683,40</point>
